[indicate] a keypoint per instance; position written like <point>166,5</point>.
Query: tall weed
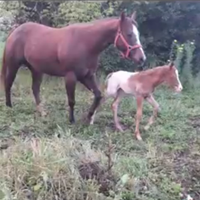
<point>183,55</point>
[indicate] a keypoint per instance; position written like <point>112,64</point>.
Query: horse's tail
<point>3,70</point>
<point>4,66</point>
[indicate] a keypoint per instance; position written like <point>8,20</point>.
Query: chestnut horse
<point>141,85</point>
<point>71,52</point>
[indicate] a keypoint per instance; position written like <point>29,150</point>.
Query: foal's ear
<point>133,16</point>
<point>171,65</point>
<point>123,16</point>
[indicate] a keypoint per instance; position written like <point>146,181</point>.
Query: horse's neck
<point>104,34</point>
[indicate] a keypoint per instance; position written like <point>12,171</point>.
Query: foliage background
<point>42,151</point>
<point>159,23</point>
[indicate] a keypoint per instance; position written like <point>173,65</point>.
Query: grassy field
<point>40,157</point>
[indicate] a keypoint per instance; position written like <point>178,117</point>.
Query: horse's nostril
<point>141,60</point>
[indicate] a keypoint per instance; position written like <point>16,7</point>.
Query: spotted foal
<point>141,85</point>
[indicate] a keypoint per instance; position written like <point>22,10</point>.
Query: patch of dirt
<point>187,170</point>
<point>93,170</point>
<point>5,143</point>
<point>194,121</point>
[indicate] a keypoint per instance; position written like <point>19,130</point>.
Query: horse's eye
<point>129,34</point>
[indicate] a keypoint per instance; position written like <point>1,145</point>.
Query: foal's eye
<point>129,34</point>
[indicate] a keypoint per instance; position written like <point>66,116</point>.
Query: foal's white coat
<point>114,82</point>
<point>118,80</point>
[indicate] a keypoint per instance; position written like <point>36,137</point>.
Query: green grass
<point>161,167</point>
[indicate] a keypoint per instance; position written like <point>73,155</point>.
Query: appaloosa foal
<point>141,85</point>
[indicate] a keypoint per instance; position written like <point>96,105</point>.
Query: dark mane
<point>96,21</point>
<point>104,19</point>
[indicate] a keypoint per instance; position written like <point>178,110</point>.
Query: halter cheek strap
<point>129,48</point>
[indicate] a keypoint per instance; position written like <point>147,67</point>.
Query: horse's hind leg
<point>9,79</point>
<point>36,82</point>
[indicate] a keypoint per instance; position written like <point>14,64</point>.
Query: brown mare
<point>71,52</point>
<point>141,85</point>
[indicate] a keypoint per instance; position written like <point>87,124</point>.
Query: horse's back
<point>19,36</point>
<point>34,43</point>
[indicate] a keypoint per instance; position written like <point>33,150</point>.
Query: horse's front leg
<point>89,82</point>
<point>70,85</point>
<point>150,99</point>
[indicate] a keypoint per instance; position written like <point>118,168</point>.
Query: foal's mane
<point>153,70</point>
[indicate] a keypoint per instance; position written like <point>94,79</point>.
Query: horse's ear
<point>133,16</point>
<point>123,16</point>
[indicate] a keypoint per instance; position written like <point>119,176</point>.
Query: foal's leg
<point>139,100</point>
<point>70,85</point>
<point>115,105</point>
<point>90,83</point>
<point>150,99</point>
<point>36,83</point>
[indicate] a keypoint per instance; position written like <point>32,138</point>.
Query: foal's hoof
<point>138,137</point>
<point>43,114</point>
<point>146,127</point>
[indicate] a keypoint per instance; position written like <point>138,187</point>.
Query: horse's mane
<point>96,21</point>
<point>104,19</point>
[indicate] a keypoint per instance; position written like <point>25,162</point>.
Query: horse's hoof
<point>86,120</point>
<point>119,128</point>
<point>91,122</point>
<point>41,111</point>
<point>72,121</point>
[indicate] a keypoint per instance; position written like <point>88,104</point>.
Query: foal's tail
<point>105,84</point>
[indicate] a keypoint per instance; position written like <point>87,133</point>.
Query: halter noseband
<point>129,48</point>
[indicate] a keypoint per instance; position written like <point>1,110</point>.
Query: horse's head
<point>127,39</point>
<point>172,78</point>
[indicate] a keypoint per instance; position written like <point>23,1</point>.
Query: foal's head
<point>172,78</point>
<point>128,40</point>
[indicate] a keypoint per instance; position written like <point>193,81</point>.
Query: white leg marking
<point>92,118</point>
<point>180,87</point>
